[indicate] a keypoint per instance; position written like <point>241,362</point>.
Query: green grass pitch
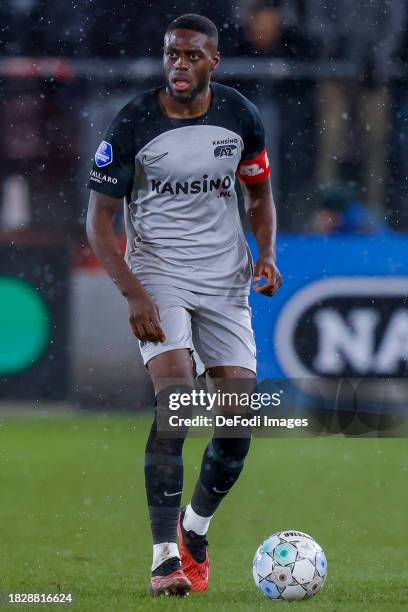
<point>73,516</point>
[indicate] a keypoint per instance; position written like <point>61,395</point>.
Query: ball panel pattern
<point>289,565</point>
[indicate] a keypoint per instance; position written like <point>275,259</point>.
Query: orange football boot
<point>175,583</point>
<point>194,556</point>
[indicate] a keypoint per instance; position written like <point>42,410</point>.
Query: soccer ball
<point>289,565</point>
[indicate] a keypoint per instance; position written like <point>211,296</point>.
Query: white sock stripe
<point>194,522</point>
<point>162,552</point>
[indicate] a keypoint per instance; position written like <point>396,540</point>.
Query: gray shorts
<point>217,328</point>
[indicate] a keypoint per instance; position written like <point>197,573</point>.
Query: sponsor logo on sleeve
<point>104,154</point>
<point>100,178</point>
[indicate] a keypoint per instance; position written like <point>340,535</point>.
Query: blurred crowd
<point>336,134</point>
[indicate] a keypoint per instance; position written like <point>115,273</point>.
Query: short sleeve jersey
<point>177,177</point>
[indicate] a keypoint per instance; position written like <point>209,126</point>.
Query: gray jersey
<point>178,180</point>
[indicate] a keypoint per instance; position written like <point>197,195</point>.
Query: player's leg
<point>222,335</point>
<point>164,468</point>
<point>223,458</point>
<point>167,363</point>
<point>221,466</point>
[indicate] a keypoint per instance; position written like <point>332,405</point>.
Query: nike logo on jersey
<point>171,494</point>
<point>149,161</point>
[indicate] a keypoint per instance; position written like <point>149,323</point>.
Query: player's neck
<point>178,110</point>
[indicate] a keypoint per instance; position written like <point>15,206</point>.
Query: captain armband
<point>254,170</point>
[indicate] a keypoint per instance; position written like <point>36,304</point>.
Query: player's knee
<point>162,440</point>
<point>174,398</point>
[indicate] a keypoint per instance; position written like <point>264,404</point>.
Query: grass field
<point>73,516</point>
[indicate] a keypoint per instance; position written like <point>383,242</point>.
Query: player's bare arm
<point>143,312</point>
<point>262,218</point>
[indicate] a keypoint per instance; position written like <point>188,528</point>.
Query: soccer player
<point>173,154</point>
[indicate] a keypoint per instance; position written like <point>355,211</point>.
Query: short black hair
<point>197,23</point>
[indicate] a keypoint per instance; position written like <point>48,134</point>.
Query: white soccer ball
<point>289,565</point>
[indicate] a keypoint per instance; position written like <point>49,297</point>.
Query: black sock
<point>164,477</point>
<point>221,466</point>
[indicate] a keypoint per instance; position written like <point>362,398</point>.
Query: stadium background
<point>330,82</point>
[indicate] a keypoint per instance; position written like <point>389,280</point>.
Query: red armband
<point>255,170</point>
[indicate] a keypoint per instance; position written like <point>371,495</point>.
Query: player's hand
<point>266,267</point>
<point>144,318</point>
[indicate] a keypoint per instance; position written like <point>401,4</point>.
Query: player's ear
<point>215,61</point>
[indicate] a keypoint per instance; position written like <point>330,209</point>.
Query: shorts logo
<point>226,151</point>
<point>104,154</point>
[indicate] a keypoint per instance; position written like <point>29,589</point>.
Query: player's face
<point>189,59</point>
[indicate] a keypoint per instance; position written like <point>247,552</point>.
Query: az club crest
<point>225,151</point>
